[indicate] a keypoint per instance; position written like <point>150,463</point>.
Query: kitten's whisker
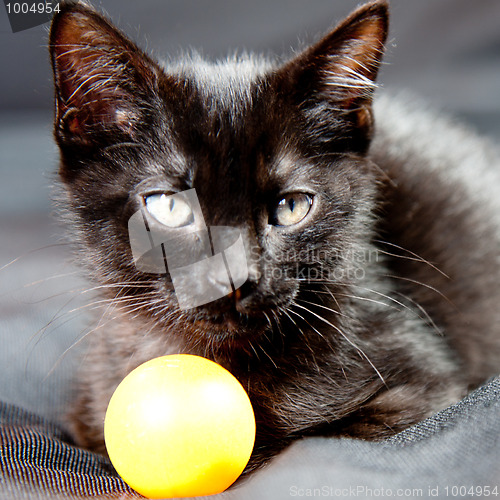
<point>268,319</point>
<point>333,297</point>
<point>342,294</point>
<point>118,300</point>
<point>320,305</point>
<point>99,325</point>
<point>388,297</point>
<point>111,307</point>
<point>416,282</point>
<point>304,336</point>
<point>272,330</point>
<point>79,341</point>
<point>390,306</point>
<point>138,306</point>
<point>324,280</point>
<point>276,314</point>
<point>415,257</point>
<point>324,292</point>
<point>123,301</point>
<point>124,284</point>
<point>254,350</point>
<point>80,291</point>
<point>49,278</point>
<point>376,292</point>
<point>287,312</point>
<point>55,323</point>
<point>344,336</point>
<point>30,252</point>
<point>385,296</point>
<point>426,316</point>
<point>277,319</point>
<point>60,313</point>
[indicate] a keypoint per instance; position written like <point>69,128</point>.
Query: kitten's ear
<point>341,69</point>
<point>102,79</point>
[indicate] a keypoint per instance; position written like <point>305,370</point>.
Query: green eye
<point>170,210</point>
<point>291,209</point>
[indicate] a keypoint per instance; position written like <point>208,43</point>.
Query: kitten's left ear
<point>340,70</point>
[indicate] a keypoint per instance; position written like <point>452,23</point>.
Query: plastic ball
<point>179,426</point>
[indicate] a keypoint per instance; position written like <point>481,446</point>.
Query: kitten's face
<point>274,151</point>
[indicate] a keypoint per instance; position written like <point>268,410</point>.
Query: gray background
<point>447,51</point>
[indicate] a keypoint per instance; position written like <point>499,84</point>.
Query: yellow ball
<point>179,426</point>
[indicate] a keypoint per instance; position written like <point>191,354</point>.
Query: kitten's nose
<point>235,295</point>
<point>245,298</point>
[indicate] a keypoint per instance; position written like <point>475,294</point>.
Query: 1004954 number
<point>32,7</point>
<point>472,491</point>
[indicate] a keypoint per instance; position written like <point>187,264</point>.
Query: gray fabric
<point>455,453</point>
<point>36,461</point>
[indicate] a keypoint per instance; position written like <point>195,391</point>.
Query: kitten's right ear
<point>334,79</point>
<point>102,80</point>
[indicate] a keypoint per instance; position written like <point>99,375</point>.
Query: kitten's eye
<point>292,209</point>
<point>170,210</point>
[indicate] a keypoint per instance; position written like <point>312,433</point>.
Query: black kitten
<point>372,270</point>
